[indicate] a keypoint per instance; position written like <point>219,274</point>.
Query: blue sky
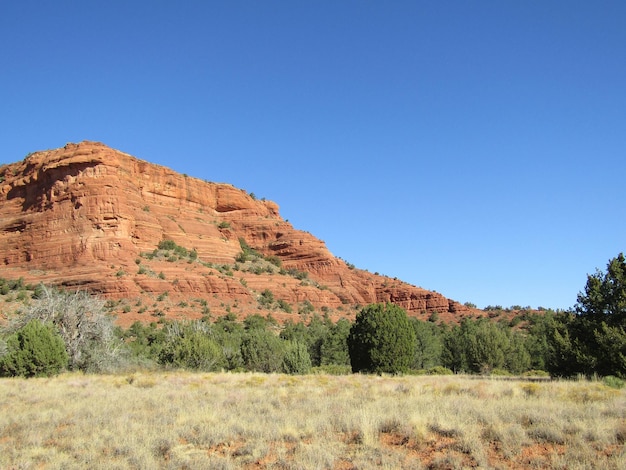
<point>472,148</point>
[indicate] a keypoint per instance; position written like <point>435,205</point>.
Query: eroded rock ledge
<point>83,215</point>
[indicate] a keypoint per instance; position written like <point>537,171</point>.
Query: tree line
<point>73,331</point>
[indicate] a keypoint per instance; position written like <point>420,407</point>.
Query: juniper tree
<point>381,340</point>
<point>33,350</point>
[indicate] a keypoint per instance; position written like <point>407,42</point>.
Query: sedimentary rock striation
<point>88,216</point>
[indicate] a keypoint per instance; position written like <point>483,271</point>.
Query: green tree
<point>517,358</point>
<point>480,346</point>
<point>228,333</point>
<point>229,324</point>
<point>594,341</point>
<point>487,347</point>
<point>296,359</point>
<point>604,298</point>
<point>428,346</point>
<point>34,350</point>
<point>262,351</point>
<point>144,341</point>
<point>313,335</point>
<point>381,340</point>
<point>611,341</point>
<point>334,349</point>
<point>294,331</point>
<point>567,355</point>
<point>539,331</point>
<point>455,352</point>
<point>317,332</point>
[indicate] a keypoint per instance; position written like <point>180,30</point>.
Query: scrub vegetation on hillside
<point>590,340</point>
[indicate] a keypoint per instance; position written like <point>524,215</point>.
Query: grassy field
<point>221,421</point>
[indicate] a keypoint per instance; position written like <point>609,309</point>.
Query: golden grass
<point>185,420</point>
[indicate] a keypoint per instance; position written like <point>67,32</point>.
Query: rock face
<point>87,216</point>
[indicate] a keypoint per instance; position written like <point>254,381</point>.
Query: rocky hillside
<point>90,217</point>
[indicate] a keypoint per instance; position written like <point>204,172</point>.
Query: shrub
<point>262,351</point>
<point>306,308</point>
<point>189,346</point>
<point>266,299</point>
<point>85,327</point>
<point>275,260</point>
<point>536,373</point>
<point>34,350</point>
<point>167,245</point>
<point>300,275</point>
<point>531,389</point>
<point>439,370</point>
<point>255,321</point>
<point>247,252</point>
<point>284,306</point>
<point>434,317</point>
<point>181,251</point>
<point>296,359</point>
<point>613,382</point>
<point>381,340</point>
<point>38,291</point>
<point>332,369</point>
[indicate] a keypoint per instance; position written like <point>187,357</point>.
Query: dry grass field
<point>253,421</point>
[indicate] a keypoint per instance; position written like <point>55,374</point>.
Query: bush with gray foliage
<point>83,323</point>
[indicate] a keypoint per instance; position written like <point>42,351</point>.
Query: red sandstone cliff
<point>86,215</point>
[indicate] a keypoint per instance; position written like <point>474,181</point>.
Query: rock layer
<point>85,215</point>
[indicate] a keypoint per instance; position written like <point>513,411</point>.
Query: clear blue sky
<point>474,148</point>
